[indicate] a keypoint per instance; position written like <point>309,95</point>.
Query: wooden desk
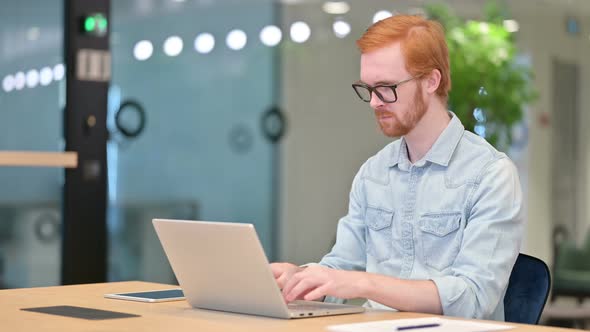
<point>167,316</point>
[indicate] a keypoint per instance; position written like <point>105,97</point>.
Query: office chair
<point>528,289</point>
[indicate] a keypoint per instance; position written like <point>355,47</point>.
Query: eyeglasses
<point>386,92</point>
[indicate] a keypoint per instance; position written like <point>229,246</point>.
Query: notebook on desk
<point>222,266</point>
<point>426,324</point>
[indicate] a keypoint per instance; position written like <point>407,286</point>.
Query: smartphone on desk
<point>150,296</point>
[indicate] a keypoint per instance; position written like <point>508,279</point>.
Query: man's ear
<point>433,81</point>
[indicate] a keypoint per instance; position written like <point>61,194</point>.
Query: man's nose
<point>376,102</point>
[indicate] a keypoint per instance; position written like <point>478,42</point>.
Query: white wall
<point>332,133</point>
<point>543,36</point>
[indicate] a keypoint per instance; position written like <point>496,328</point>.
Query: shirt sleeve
<point>491,243</point>
<point>348,252</point>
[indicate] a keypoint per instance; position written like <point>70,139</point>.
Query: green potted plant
<point>489,88</point>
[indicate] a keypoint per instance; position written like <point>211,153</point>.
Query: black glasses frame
<point>371,89</point>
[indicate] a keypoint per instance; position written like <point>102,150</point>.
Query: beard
<point>400,126</point>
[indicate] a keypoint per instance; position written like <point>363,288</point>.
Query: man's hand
<point>317,281</point>
<point>283,272</point>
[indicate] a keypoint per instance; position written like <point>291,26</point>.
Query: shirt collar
<point>441,152</point>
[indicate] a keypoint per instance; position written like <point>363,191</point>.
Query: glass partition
<point>31,103</point>
<point>200,75</point>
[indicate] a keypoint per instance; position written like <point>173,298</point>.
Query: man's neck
<point>427,131</point>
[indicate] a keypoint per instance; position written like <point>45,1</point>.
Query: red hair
<point>422,43</point>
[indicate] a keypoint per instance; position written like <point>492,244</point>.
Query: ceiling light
<point>19,80</point>
<point>381,15</point>
<point>236,40</point>
<point>341,29</point>
<point>204,43</point>
<point>173,46</point>
<point>271,35</point>
<point>58,72</point>
<point>143,50</point>
<point>336,7</point>
<point>45,76</point>
<point>8,83</point>
<point>300,32</point>
<point>32,78</point>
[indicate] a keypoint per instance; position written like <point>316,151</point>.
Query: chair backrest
<point>527,291</point>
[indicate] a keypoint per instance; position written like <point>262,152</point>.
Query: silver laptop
<point>222,266</point>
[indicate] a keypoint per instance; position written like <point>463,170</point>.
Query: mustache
<point>381,113</point>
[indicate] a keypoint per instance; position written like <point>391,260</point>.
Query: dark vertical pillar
<point>88,67</point>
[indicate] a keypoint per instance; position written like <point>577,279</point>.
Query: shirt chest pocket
<point>378,233</point>
<point>441,239</point>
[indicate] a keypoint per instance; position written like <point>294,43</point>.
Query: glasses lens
<point>362,92</point>
<point>387,93</point>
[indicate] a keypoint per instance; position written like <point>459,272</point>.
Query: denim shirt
<point>453,217</point>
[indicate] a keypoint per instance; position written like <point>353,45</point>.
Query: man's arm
<point>491,243</point>
<point>406,295</point>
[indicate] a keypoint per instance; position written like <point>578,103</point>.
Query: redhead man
<point>434,221</point>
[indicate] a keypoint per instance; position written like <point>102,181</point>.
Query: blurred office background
<point>242,110</point>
